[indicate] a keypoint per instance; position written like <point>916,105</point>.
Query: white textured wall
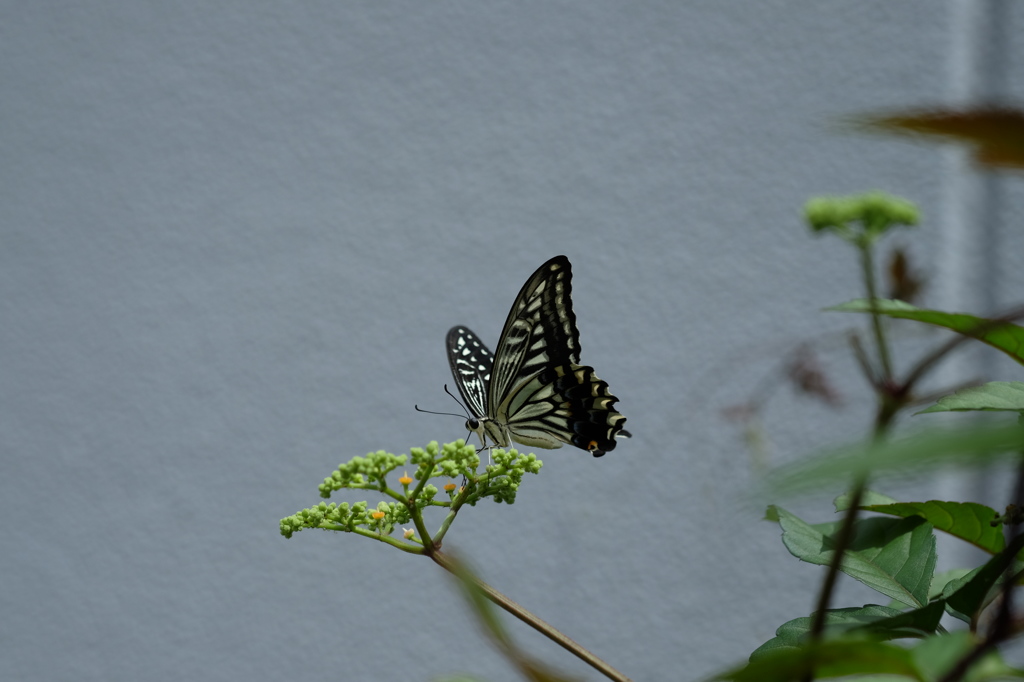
<point>233,235</point>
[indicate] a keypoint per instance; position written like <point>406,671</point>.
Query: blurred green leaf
<point>936,656</point>
<point>965,445</point>
<point>878,678</point>
<point>862,660</point>
<point>828,659</point>
<point>1005,336</point>
<point>870,497</point>
<point>995,396</point>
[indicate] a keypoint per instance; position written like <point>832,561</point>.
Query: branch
<point>447,563</point>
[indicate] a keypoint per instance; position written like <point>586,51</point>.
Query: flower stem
<point>446,562</point>
<point>868,268</point>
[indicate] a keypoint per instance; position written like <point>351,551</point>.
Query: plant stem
<point>421,527</point>
<point>842,542</point>
<point>942,351</point>
<point>404,546</point>
<point>1002,628</point>
<point>868,268</point>
<point>445,562</point>
<point>861,356</point>
<point>891,400</point>
<point>453,510</point>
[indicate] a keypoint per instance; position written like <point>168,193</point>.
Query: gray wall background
<point>233,235</point>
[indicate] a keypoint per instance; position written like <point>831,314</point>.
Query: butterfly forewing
<point>540,330</point>
<point>533,389</point>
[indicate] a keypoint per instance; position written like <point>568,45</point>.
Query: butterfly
<point>534,390</point>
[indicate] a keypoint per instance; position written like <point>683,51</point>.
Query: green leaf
<point>996,396</point>
<point>859,660</point>
<point>842,503</point>
<point>827,659</point>
<point>966,444</point>
<point>943,578</point>
<point>878,678</point>
<point>918,623</point>
<point>966,596</point>
<point>791,634</point>
<point>894,557</point>
<point>970,602</point>
<point>936,656</point>
<point>1005,336</point>
<point>881,622</point>
<point>968,521</point>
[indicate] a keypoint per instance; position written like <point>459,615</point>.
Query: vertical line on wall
<point>967,275</point>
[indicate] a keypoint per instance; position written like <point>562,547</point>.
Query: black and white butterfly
<point>534,390</point>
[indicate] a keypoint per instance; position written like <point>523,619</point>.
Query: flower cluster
<point>499,480</point>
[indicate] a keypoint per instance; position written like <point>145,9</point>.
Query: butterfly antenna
<point>450,414</point>
<point>461,404</point>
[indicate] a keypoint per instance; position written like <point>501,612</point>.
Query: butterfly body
<point>533,389</point>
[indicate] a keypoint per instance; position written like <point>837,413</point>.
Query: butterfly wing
<point>471,365</point>
<point>538,391</point>
<point>563,404</point>
<point>540,330</point>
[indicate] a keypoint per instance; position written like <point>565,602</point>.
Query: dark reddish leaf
<point>996,133</point>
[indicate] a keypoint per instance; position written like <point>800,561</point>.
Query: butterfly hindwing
<point>471,365</point>
<point>532,389</point>
<point>566,403</point>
